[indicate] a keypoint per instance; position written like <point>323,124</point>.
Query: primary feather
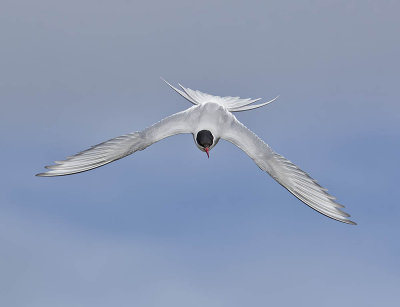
<point>291,177</point>
<point>121,146</point>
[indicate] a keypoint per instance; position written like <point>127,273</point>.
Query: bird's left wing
<point>296,181</point>
<point>123,145</point>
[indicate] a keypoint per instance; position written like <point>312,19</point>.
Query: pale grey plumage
<point>121,146</point>
<point>212,113</point>
<point>296,181</point>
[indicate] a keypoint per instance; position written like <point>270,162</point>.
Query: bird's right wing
<point>122,146</point>
<point>296,181</point>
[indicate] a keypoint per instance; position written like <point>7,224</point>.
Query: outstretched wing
<point>122,146</point>
<point>296,181</point>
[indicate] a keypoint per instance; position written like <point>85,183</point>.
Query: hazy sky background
<point>136,232</point>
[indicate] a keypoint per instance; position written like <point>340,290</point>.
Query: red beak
<point>206,149</point>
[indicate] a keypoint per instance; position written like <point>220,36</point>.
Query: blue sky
<point>135,232</point>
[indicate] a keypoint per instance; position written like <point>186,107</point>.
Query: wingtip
<point>45,174</point>
<point>346,220</point>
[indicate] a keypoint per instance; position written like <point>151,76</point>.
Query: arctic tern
<point>209,120</point>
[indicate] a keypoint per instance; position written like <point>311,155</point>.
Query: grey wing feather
<point>121,146</point>
<point>296,181</point>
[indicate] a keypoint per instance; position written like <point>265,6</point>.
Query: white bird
<point>209,120</point>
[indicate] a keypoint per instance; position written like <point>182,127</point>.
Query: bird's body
<point>209,120</point>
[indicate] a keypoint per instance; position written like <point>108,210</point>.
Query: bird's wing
<point>123,145</point>
<point>296,181</point>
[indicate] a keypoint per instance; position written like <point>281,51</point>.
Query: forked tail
<point>233,104</point>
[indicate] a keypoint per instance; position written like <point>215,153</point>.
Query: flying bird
<point>209,120</point>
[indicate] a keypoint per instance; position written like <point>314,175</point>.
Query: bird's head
<point>205,141</point>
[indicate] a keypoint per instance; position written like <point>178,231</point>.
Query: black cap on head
<point>204,138</point>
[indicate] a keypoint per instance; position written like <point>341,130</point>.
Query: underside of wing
<point>305,188</point>
<point>123,145</point>
<point>296,181</point>
<point>97,155</point>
